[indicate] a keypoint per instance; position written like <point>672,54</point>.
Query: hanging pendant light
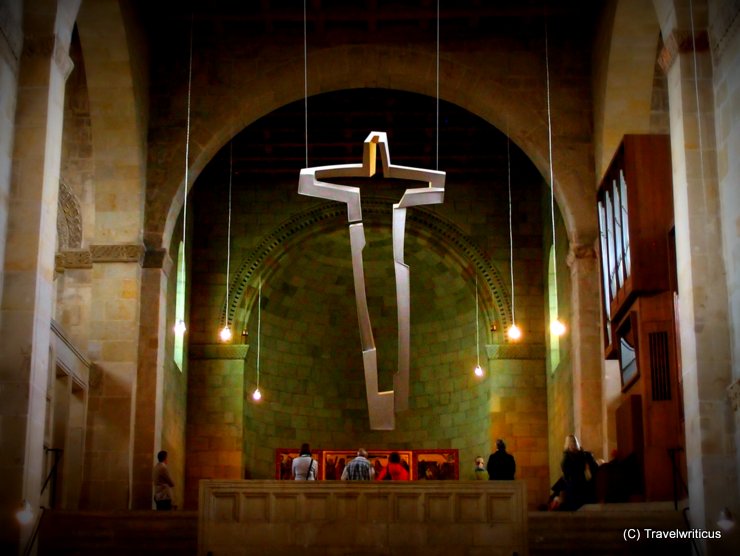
<point>557,327</point>
<point>257,395</point>
<point>514,332</point>
<point>478,371</point>
<point>225,333</point>
<point>180,327</point>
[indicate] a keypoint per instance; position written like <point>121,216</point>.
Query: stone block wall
<point>518,413</point>
<point>311,366</point>
<point>10,51</point>
<point>215,416</point>
<point>727,125</point>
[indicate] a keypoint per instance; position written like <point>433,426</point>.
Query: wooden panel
<point>649,422</point>
<point>629,426</point>
<point>647,163</point>
<point>643,162</point>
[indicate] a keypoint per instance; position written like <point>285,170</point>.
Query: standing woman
<point>579,469</point>
<point>304,466</point>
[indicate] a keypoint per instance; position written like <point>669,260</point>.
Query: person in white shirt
<point>305,468</point>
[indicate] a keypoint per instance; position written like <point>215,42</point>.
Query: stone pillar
<point>11,42</point>
<point>586,340</point>
<point>113,347</point>
<point>117,120</point>
<point>215,424</point>
<point>703,312</point>
<point>27,297</point>
<point>150,372</point>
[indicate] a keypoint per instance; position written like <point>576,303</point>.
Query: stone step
<point>602,532</point>
<point>149,533</point>
<point>118,533</point>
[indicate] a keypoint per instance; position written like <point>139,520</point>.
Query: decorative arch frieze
<point>447,237</point>
<point>69,219</point>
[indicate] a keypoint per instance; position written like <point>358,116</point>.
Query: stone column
<point>113,347</point>
<point>27,297</point>
<point>149,395</point>
<point>703,312</point>
<point>11,42</point>
<point>118,124</point>
<point>586,339</point>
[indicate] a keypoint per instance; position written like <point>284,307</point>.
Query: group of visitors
<point>573,489</point>
<point>305,468</point>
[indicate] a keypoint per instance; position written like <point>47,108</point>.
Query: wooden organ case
<point>637,253</point>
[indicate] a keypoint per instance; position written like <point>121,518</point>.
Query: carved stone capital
<point>579,252</point>
<point>678,42</point>
<point>69,219</point>
<point>218,351</point>
<point>154,258</point>
<point>117,253</point>
<point>733,392</point>
<point>516,351</point>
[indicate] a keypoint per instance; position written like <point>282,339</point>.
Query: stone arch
<point>393,67</point>
<point>333,215</point>
<point>624,79</point>
<point>118,132</point>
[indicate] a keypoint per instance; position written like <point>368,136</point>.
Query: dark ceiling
<point>326,18</point>
<point>339,122</point>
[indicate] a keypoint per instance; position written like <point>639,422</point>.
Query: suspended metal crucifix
<point>381,405</point>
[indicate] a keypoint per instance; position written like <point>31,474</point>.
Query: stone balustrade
<point>335,517</point>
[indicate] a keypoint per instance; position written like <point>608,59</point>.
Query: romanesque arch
<point>449,238</point>
<point>350,66</point>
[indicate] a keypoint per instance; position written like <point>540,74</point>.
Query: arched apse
<point>224,107</point>
<point>299,246</point>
